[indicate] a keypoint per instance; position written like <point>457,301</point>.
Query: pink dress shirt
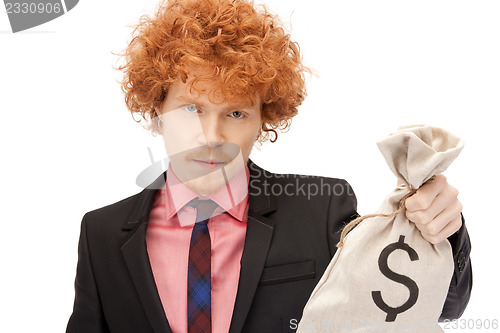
<point>168,238</point>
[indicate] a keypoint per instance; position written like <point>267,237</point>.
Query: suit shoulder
<point>259,174</point>
<point>116,211</point>
<point>293,177</point>
<point>311,187</point>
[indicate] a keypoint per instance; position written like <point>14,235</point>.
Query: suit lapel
<point>134,251</point>
<point>257,241</point>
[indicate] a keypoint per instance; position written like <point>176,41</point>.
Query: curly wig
<point>243,50</point>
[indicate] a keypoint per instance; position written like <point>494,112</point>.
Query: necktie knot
<point>204,209</point>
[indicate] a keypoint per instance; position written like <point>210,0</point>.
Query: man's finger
<point>446,217</point>
<point>447,231</point>
<point>440,203</point>
<point>424,196</point>
<point>439,223</point>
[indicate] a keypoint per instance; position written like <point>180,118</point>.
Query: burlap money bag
<point>386,277</point>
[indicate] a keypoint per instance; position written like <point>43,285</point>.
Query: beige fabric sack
<point>386,277</point>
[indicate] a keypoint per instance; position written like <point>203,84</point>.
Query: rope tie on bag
<point>359,219</point>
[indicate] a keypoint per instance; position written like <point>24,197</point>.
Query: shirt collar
<point>231,198</point>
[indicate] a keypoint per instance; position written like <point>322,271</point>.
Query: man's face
<point>208,140</point>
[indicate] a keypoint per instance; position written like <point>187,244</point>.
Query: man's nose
<point>213,130</point>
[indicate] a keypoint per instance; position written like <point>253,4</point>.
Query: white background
<point>69,145</point>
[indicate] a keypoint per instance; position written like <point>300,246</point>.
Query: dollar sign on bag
<point>392,312</point>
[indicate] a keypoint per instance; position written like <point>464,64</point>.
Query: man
<point>214,77</point>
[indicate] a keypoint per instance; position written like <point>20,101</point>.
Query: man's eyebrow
<point>241,105</point>
<point>184,98</point>
<point>231,106</point>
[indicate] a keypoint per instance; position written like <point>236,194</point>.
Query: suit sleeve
<point>87,313</point>
<point>342,210</point>
<point>461,282</point>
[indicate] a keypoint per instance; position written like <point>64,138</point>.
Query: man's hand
<point>435,210</point>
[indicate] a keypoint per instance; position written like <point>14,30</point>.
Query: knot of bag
<point>359,219</point>
<point>415,154</point>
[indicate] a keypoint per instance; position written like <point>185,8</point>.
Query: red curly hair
<point>245,51</point>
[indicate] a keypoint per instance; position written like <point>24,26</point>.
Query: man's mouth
<point>209,163</point>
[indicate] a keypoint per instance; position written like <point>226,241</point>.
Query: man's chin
<point>207,184</point>
<point>207,179</point>
<point>191,170</point>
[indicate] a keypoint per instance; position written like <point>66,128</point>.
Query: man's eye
<point>237,114</point>
<point>191,108</point>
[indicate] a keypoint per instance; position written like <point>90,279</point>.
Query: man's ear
<point>158,109</point>
<point>157,117</point>
<point>259,132</point>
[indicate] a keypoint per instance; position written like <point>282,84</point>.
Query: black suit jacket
<point>290,239</point>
